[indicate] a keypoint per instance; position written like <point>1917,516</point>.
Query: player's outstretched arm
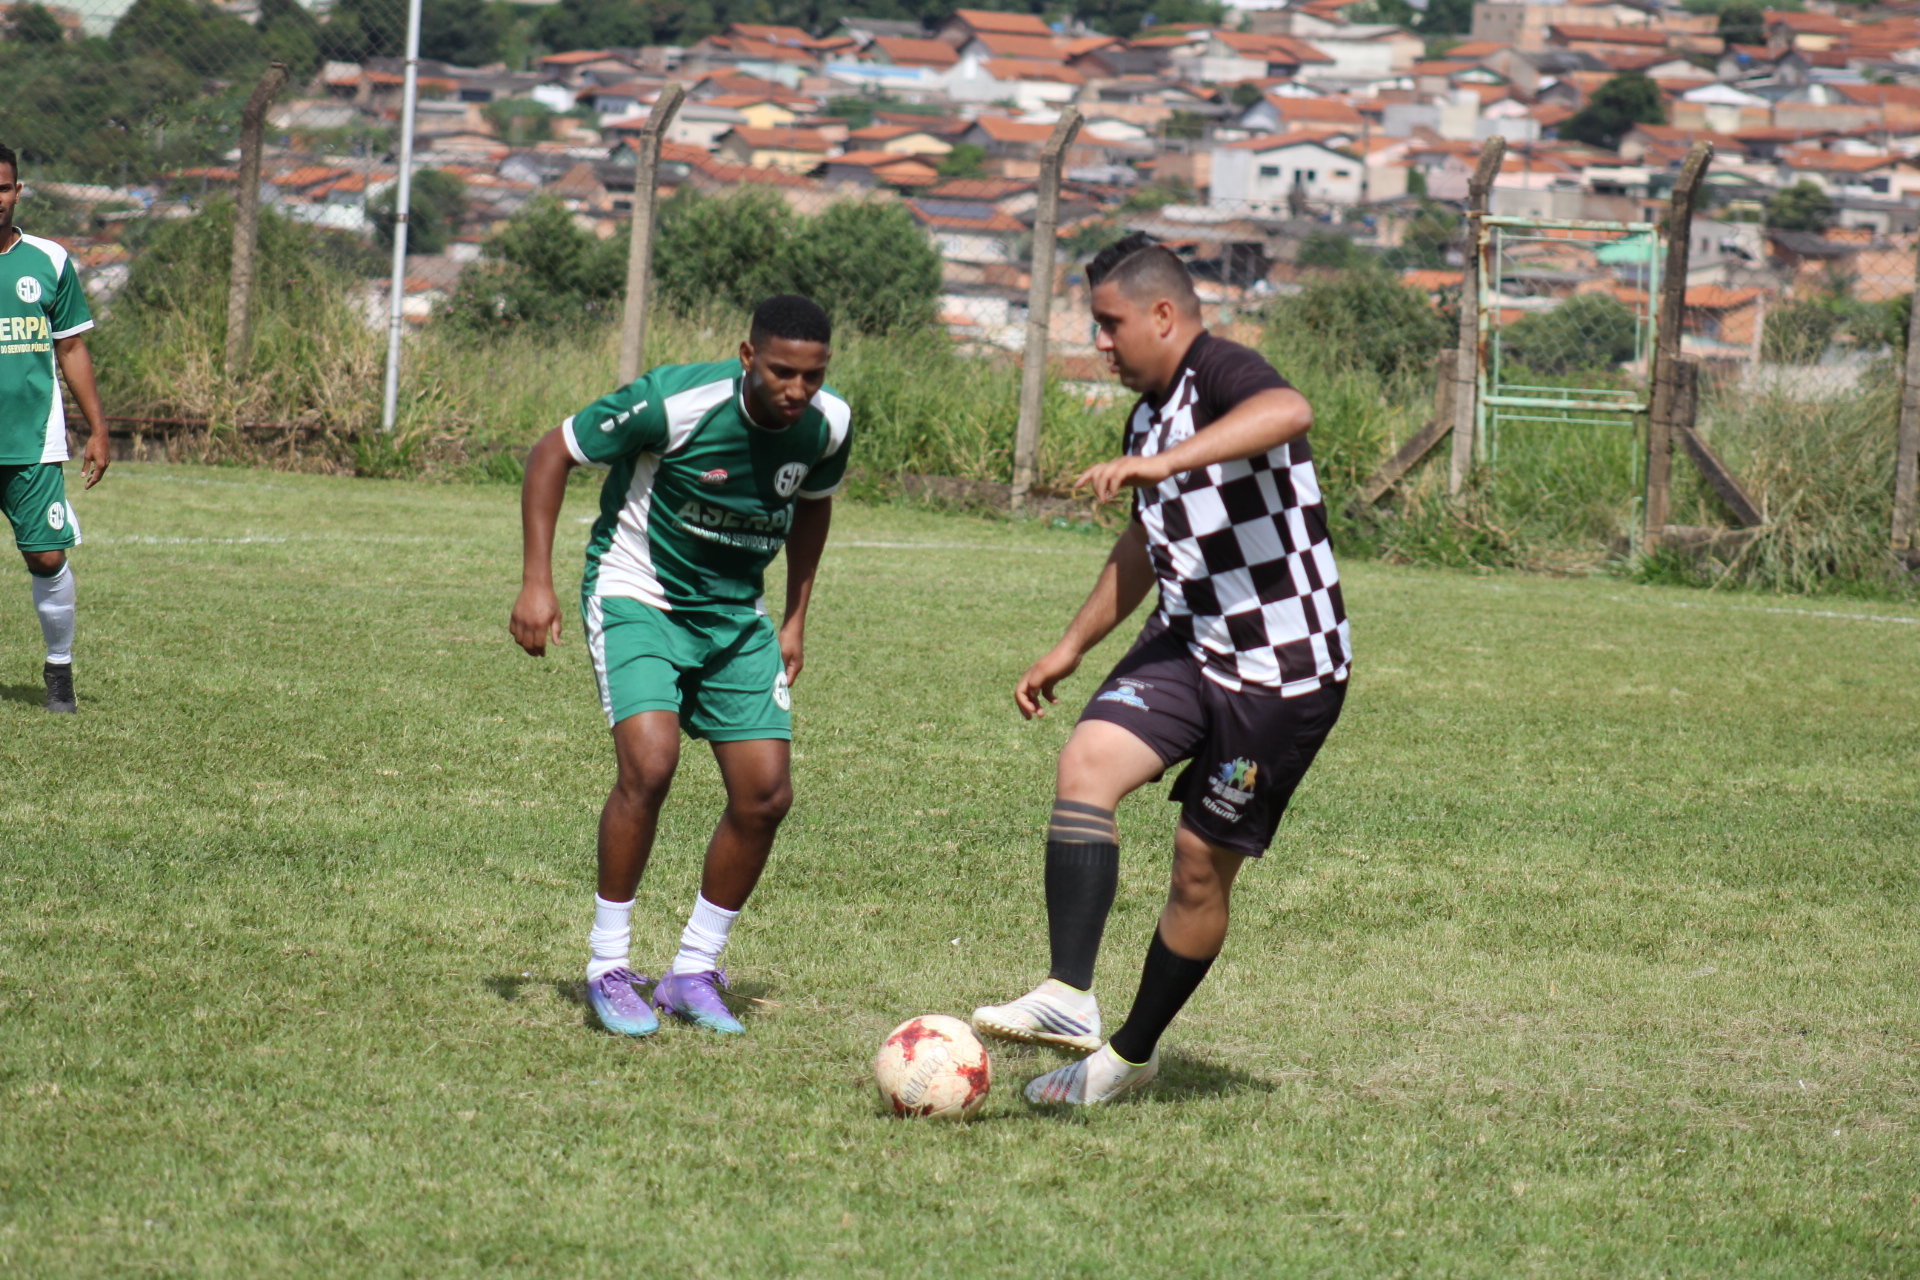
<point>1123,583</point>
<point>536,614</point>
<point>1263,421</point>
<point>76,366</point>
<point>806,540</point>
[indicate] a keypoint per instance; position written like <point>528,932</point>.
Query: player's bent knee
<point>44,563</point>
<point>766,808</point>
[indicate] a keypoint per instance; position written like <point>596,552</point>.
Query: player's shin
<point>1167,981</point>
<point>53,600</point>
<point>1082,873</point>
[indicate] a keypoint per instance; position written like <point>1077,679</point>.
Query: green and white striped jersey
<point>40,302</point>
<point>699,497</point>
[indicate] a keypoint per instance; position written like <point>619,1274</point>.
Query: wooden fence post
<point>246,218</point>
<point>1906,462</point>
<point>1033,373</point>
<point>1467,375</point>
<point>1666,349</point>
<point>646,172</point>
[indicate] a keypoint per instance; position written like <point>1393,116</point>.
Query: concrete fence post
<point>1663,422</point>
<point>646,173</point>
<point>1467,374</point>
<point>1033,374</point>
<point>246,219</point>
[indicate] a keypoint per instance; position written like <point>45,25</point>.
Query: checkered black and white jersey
<point>1246,572</point>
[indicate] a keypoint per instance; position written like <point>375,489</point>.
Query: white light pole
<point>402,199</point>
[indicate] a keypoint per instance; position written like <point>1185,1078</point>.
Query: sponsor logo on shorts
<point>788,478</point>
<point>716,476</point>
<point>57,516</point>
<point>28,288</point>
<point>782,692</point>
<point>1230,788</point>
<point>1128,694</point>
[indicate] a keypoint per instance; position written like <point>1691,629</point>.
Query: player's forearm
<point>1123,584</point>
<point>76,366</point>
<point>806,543</point>
<point>542,493</point>
<point>1252,427</point>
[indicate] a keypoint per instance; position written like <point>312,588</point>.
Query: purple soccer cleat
<point>617,1002</point>
<point>695,998</point>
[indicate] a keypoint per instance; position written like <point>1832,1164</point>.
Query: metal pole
<point>1472,285</point>
<point>1033,373</point>
<point>402,201</point>
<point>646,172</point>
<point>246,219</point>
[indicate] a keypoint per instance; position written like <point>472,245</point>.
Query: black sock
<point>1081,879</point>
<point>1166,983</point>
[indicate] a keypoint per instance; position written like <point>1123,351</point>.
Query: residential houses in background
<point>1234,143</point>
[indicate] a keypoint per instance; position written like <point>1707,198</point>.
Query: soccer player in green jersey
<point>43,315</point>
<point>712,469</point>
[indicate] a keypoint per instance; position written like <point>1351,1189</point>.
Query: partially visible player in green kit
<point>713,468</point>
<point>43,314</point>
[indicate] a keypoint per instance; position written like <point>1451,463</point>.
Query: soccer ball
<point>934,1067</point>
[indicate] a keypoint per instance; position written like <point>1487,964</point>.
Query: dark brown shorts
<point>1247,750</point>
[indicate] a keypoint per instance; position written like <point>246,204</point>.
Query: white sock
<point>704,937</point>
<point>611,937</point>
<point>53,601</point>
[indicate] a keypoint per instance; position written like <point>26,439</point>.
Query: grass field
<point>1589,947</point>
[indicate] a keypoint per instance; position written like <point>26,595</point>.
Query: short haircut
<point>10,160</point>
<point>1146,271</point>
<point>790,316</point>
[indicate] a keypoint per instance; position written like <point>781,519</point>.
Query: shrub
<point>1368,317</point>
<point>1798,332</point>
<point>1587,331</point>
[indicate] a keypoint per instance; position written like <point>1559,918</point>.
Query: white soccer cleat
<point>1099,1077</point>
<point>1053,1013</point>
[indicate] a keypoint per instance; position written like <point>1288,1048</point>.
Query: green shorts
<point>35,498</point>
<point>719,671</point>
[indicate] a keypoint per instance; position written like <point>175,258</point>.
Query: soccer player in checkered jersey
<point>1239,674</point>
<point>713,469</point>
<point>43,323</point>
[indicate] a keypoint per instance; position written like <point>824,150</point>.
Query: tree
<point>964,161</point>
<point>466,33</point>
<point>1616,106</point>
<point>1587,331</point>
<point>595,24</point>
<point>32,24</point>
<point>1329,249</point>
<point>1800,207</point>
<point>1446,18</point>
<point>866,262</point>
<point>870,265</point>
<point>542,269</point>
<point>1372,318</point>
<point>734,250</point>
<point>1743,23</point>
<point>199,38</point>
<point>436,203</point>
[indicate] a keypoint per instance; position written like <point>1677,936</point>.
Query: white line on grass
<point>152,540</point>
<point>969,546</point>
<point>1793,613</point>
